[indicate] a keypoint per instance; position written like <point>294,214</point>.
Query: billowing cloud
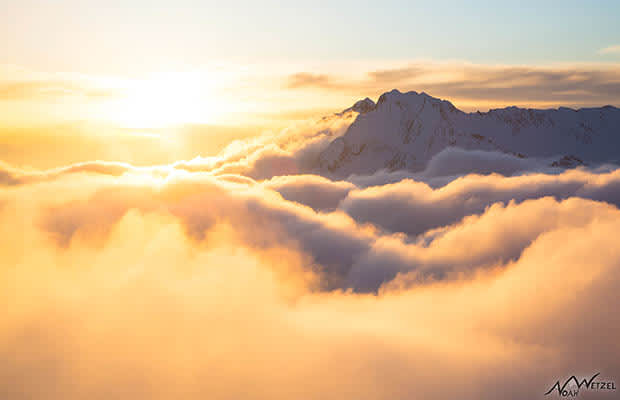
<point>317,192</point>
<point>416,207</point>
<point>186,285</point>
<point>294,150</point>
<point>454,162</point>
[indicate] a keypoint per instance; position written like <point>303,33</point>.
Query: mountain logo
<point>568,390</point>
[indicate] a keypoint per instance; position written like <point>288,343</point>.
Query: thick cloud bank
<point>247,276</point>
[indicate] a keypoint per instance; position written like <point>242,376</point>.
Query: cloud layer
<point>203,279</point>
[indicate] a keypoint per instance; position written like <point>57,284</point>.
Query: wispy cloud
<point>615,49</point>
<point>479,85</point>
<point>305,79</point>
<point>29,89</point>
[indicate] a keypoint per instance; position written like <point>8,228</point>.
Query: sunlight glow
<point>164,100</point>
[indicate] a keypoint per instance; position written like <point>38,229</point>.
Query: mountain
<point>404,130</point>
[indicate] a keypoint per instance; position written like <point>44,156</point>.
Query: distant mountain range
<point>404,130</point>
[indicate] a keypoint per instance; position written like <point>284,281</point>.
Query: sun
<point>164,100</point>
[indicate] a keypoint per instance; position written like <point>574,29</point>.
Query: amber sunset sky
<point>149,74</point>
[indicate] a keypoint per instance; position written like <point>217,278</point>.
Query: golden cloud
<point>183,284</point>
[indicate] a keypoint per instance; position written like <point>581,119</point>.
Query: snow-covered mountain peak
<point>364,106</point>
<point>360,106</point>
<point>404,130</point>
<point>412,102</point>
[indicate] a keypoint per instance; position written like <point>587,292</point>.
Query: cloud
<point>19,90</point>
<point>610,50</point>
<point>416,207</point>
<point>491,240</point>
<point>305,79</point>
<point>473,86</point>
<point>323,194</point>
<point>294,150</point>
<point>331,241</point>
<point>319,193</point>
<point>185,285</point>
<point>350,228</point>
<point>10,176</point>
<point>454,161</point>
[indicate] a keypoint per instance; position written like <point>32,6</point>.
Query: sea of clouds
<point>250,276</point>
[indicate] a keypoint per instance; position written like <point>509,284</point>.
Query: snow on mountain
<point>404,130</point>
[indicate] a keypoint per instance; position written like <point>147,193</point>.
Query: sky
<point>187,69</point>
<point>146,36</point>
